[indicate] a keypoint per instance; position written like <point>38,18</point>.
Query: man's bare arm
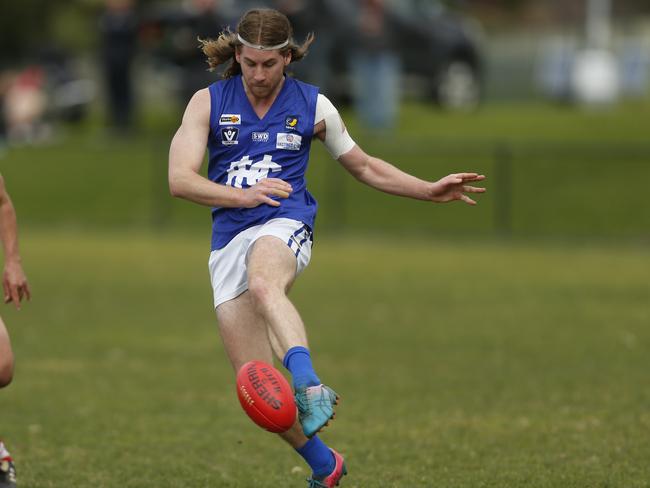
<point>385,177</point>
<point>14,282</point>
<point>8,225</point>
<point>186,157</point>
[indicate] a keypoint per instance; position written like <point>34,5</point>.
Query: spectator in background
<point>312,16</point>
<point>118,30</point>
<point>24,106</point>
<point>199,19</point>
<point>375,67</point>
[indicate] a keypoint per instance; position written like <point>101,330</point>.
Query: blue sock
<point>298,362</point>
<point>318,456</point>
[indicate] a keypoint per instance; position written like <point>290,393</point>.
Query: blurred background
<point>519,325</point>
<point>525,91</point>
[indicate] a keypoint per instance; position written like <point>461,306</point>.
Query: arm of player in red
<point>14,281</point>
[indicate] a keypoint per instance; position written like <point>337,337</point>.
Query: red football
<point>266,397</point>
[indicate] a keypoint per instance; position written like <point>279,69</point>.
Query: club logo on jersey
<point>230,119</point>
<point>229,136</point>
<point>245,172</point>
<point>291,122</point>
<point>291,142</point>
<point>260,137</point>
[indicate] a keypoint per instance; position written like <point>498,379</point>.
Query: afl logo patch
<point>291,122</point>
<point>229,136</point>
<point>230,119</point>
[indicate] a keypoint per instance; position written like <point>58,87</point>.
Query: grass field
<point>465,359</point>
<point>474,364</point>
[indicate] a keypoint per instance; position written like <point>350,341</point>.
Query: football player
<point>258,125</point>
<point>15,287</point>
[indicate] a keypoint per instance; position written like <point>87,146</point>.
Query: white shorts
<point>228,265</point>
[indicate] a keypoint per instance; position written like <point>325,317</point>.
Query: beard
<point>261,91</point>
<point>265,89</point>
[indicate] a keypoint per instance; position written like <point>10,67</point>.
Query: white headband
<point>259,46</point>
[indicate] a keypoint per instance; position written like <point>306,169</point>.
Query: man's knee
<point>6,371</point>
<point>262,290</point>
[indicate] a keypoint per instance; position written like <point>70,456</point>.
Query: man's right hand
<point>14,284</point>
<point>263,190</point>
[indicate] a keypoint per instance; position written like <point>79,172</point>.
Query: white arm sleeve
<point>337,140</point>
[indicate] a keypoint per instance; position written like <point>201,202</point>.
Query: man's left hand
<point>454,187</point>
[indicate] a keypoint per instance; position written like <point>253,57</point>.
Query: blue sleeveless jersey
<point>244,149</point>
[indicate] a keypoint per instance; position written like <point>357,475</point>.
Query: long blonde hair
<point>266,27</point>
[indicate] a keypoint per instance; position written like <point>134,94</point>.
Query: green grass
<point>463,361</point>
<point>460,365</point>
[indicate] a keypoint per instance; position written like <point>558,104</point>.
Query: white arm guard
<point>337,140</point>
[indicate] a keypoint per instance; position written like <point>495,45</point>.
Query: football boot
<point>8,473</point>
<point>315,407</point>
<point>334,478</point>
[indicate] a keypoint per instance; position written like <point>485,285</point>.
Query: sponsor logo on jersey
<point>288,141</point>
<point>230,119</point>
<point>291,122</point>
<point>245,172</point>
<point>229,136</point>
<point>260,137</point>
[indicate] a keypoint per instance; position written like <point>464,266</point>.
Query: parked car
<point>439,50</point>
<point>442,49</point>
